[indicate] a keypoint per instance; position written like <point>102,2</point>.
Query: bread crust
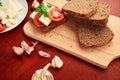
<point>81,8</point>
<point>93,36</point>
<point>99,18</point>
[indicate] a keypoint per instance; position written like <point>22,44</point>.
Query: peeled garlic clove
<point>44,54</point>
<point>35,4</point>
<point>56,62</point>
<point>24,45</point>
<point>18,50</point>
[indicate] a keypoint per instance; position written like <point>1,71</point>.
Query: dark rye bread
<point>93,36</point>
<point>81,8</point>
<point>99,18</point>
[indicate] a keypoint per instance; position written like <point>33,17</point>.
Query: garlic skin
<point>44,54</point>
<point>56,62</point>
<point>18,50</point>
<point>35,4</point>
<point>28,49</point>
<point>43,74</point>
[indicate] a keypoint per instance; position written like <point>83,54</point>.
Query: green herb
<point>1,4</point>
<point>43,8</point>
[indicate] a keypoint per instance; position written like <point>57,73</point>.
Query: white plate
<point>20,16</point>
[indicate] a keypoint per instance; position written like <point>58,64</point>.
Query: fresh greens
<point>1,4</point>
<point>43,8</point>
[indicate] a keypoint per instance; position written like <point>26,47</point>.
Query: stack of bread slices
<point>91,17</point>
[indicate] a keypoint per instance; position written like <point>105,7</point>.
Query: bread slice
<point>99,18</point>
<point>51,26</point>
<point>91,36</point>
<point>81,8</point>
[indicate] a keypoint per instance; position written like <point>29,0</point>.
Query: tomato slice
<point>2,27</point>
<point>37,22</point>
<point>56,14</point>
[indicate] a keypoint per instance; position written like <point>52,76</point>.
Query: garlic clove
<point>44,54</point>
<point>18,50</point>
<point>24,45</point>
<point>35,4</point>
<point>27,48</point>
<point>56,62</point>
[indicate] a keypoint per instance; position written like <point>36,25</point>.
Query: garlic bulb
<point>43,74</point>
<point>35,4</point>
<point>18,50</point>
<point>56,62</point>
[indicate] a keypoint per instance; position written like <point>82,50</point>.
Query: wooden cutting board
<point>65,38</point>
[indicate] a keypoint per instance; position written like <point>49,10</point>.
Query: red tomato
<point>37,22</point>
<point>56,14</point>
<point>2,27</point>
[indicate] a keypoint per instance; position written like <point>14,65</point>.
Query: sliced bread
<point>91,36</point>
<point>81,8</point>
<point>99,18</point>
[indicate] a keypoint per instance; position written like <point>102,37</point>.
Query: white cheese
<point>2,13</point>
<point>45,20</point>
<point>33,14</point>
<point>13,8</point>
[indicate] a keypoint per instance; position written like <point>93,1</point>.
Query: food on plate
<point>44,54</point>
<point>57,62</point>
<point>91,36</point>
<point>9,10</point>
<point>100,17</point>
<point>81,8</point>
<point>47,16</point>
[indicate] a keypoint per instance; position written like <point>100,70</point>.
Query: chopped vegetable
<point>37,21</point>
<point>43,8</point>
<point>1,4</point>
<point>56,14</point>
<point>2,27</point>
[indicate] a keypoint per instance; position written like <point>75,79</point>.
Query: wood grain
<point>65,38</point>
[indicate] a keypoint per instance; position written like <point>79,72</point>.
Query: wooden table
<point>13,67</point>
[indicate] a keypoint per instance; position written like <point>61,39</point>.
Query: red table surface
<point>13,67</point>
